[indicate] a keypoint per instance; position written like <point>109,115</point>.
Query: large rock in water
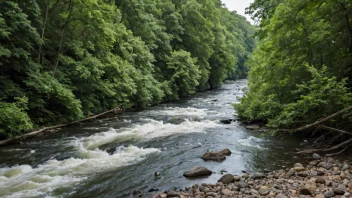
<point>213,156</point>
<point>225,152</point>
<point>197,172</point>
<point>226,179</point>
<point>176,120</point>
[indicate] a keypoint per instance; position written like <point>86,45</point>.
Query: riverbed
<point>114,156</point>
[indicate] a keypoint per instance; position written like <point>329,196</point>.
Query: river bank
<point>319,178</point>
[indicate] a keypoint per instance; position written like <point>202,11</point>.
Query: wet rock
<point>156,174</point>
<point>258,176</point>
<point>246,175</point>
<point>226,179</point>
<point>213,156</point>
<point>153,190</point>
<point>225,152</point>
<point>176,120</point>
<point>228,121</point>
<point>197,172</point>
<point>137,192</point>
<point>329,194</point>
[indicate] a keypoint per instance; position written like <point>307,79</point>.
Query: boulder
<point>176,120</point>
<point>258,176</point>
<point>213,156</point>
<point>226,179</point>
<point>197,172</point>
<point>225,152</point>
<point>228,121</point>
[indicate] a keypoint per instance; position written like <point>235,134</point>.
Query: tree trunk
<point>43,32</point>
<point>62,37</point>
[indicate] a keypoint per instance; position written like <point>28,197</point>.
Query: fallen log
<point>21,137</point>
<point>310,151</point>
<point>324,119</point>
<point>336,130</point>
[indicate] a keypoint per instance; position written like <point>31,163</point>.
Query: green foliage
<point>321,96</point>
<point>185,74</point>
<point>13,118</point>
<point>298,70</point>
<point>73,59</point>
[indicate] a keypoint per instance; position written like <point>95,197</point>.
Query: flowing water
<point>112,157</point>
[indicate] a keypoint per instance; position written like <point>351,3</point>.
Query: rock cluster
<point>321,178</point>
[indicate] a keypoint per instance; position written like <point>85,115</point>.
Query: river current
<point>114,156</point>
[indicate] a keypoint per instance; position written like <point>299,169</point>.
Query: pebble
<point>316,180</point>
<point>329,194</point>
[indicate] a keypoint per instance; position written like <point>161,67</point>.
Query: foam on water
<point>251,141</point>
<point>43,180</point>
<point>177,111</point>
<point>150,130</point>
<point>26,181</point>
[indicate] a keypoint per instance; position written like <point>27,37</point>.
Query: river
<point>114,156</point>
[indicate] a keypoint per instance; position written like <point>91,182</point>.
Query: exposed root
<point>342,151</point>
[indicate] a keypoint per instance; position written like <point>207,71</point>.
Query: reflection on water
<point>114,156</point>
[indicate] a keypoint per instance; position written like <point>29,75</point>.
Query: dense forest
<point>301,69</point>
<point>63,60</point>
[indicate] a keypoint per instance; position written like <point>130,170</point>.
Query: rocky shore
<point>325,177</point>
